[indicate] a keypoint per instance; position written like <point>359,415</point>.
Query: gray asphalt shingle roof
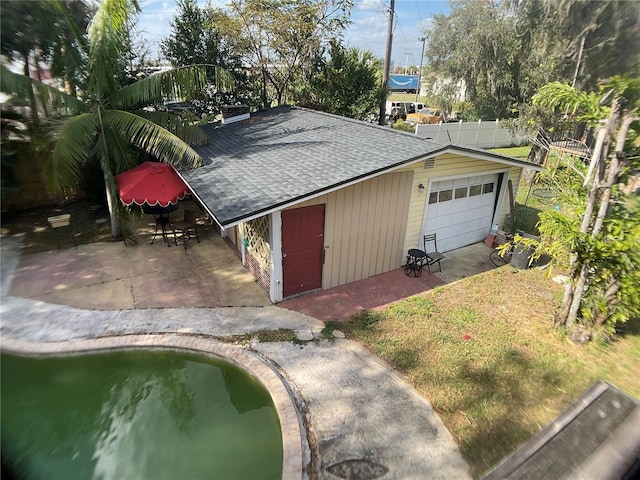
<point>286,154</point>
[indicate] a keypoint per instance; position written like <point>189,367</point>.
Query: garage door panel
<point>459,206</point>
<point>463,216</point>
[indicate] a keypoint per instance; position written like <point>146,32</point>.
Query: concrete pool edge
<point>293,434</point>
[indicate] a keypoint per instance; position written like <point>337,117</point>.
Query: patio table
<point>415,261</point>
<point>161,216</point>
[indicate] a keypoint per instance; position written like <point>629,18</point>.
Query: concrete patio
<point>115,276</point>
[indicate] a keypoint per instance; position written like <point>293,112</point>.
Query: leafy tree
<point>278,38</point>
<point>597,224</point>
<point>346,84</point>
<point>105,124</point>
<point>478,42</point>
<point>506,51</point>
<point>580,42</point>
<point>34,32</point>
<point>195,39</point>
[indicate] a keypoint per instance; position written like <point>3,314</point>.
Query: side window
<point>461,192</point>
<point>445,195</point>
<point>475,190</point>
<point>487,188</point>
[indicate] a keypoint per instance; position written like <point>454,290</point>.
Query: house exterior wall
<point>449,166</point>
<point>365,227</point>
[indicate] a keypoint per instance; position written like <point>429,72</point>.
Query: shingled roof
<point>285,155</point>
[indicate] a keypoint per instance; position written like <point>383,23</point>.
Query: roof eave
<point>490,156</point>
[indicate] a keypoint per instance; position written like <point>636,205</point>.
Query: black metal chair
<point>162,222</point>
<point>433,256</point>
<point>185,230</point>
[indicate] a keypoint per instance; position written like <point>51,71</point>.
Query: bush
<point>402,125</point>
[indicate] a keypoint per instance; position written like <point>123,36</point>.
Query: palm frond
<point>152,139</point>
<point>585,106</point>
<point>114,152</point>
<point>56,102</point>
<point>76,137</point>
<point>626,87</point>
<point>187,131</point>
<point>107,40</point>
<point>180,83</point>
<point>560,95</point>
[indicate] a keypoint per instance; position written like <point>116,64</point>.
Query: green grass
<point>484,352</point>
<point>521,153</point>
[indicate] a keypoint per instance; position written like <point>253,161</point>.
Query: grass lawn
<point>484,352</point>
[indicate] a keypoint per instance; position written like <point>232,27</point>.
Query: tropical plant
<point>596,226</point>
<point>107,123</point>
<point>346,83</point>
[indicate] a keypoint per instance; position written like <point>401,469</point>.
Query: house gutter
<point>204,205</point>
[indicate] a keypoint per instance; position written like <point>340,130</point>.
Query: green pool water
<point>136,415</point>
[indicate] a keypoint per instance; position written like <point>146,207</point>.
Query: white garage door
<point>460,211</point>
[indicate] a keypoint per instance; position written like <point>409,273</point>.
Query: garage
<point>461,210</point>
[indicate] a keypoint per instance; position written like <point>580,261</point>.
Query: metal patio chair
<point>433,256</point>
<point>185,230</point>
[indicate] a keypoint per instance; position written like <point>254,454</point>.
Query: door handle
<point>284,254</point>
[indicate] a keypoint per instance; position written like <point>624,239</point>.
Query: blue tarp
<point>403,82</point>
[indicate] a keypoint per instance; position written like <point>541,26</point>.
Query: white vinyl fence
<point>472,134</point>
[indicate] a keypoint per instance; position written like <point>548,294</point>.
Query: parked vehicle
<point>455,116</point>
<point>426,116</point>
<point>396,111</point>
<point>413,107</point>
<point>400,110</point>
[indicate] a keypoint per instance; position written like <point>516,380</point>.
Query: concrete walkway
<point>363,420</point>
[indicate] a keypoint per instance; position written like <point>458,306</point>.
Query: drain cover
<point>357,470</point>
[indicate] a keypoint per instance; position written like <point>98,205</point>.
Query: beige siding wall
<point>448,166</point>
<point>365,227</point>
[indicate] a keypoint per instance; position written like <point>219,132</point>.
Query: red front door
<point>302,245</point>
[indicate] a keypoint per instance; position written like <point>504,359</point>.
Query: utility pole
<point>406,62</point>
<point>385,72</point>
<point>419,89</point>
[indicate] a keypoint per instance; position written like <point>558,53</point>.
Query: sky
<point>367,32</point>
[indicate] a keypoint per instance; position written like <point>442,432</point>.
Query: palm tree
<point>104,124</point>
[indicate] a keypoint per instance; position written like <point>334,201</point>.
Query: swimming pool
<point>137,414</point>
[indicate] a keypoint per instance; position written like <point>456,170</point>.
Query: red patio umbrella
<point>152,184</point>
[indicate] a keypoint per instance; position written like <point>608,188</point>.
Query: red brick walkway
<point>339,303</point>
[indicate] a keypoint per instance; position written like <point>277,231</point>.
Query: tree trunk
<point>614,170</point>
<point>32,97</point>
<point>572,300</point>
<point>116,231</point>
<point>576,297</point>
<point>265,98</point>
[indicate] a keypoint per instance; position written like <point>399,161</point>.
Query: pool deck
<point>345,413</point>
